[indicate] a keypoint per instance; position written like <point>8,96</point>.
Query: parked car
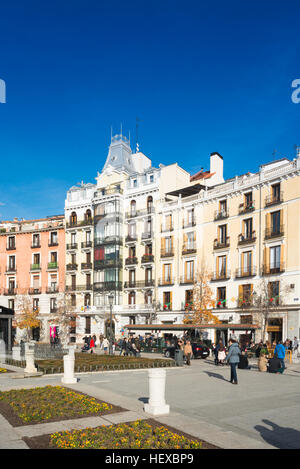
<point>199,351</point>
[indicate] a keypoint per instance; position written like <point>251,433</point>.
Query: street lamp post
<point>111,301</point>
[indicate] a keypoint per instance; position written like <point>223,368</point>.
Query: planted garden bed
<point>93,362</point>
<point>141,434</point>
<point>50,404</point>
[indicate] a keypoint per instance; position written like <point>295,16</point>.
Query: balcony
<point>147,235</point>
<point>107,240</point>
<point>276,268</point>
<point>131,239</point>
<point>36,245</point>
<point>275,232</point>
<point>131,261</point>
<point>35,266</point>
<point>11,268</point>
<point>147,258</point>
<point>54,310</point>
<point>34,291</point>
<point>166,281</point>
<point>245,272</point>
<point>74,224</point>
<point>71,267</point>
<point>222,243</point>
<point>72,246</point>
<point>221,303</point>
<point>186,250</point>
<point>53,243</point>
<point>52,265</point>
<point>187,281</point>
<point>166,252</point>
<point>107,286</point>
<point>52,289</point>
<point>244,302</point>
<point>188,223</point>
<point>73,288</point>
<point>86,265</point>
<point>246,239</point>
<point>222,275</point>
<point>108,263</point>
<point>274,199</point>
<point>221,214</point>
<point>87,244</point>
<point>246,208</point>
<point>10,291</point>
<point>11,247</point>
<point>167,228</point>
<point>139,284</point>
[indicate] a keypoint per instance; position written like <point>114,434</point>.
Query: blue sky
<point>201,76</point>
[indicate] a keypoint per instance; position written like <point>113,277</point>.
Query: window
<point>167,300</point>
<point>134,183</point>
<point>167,273</point>
<point>149,204</point>
<point>131,298</point>
<point>223,207</point>
<point>222,234</point>
<point>148,276</point>
<point>275,253</point>
<point>248,228</point>
<point>36,240</point>
<point>88,325</point>
<point>148,298</point>
<point>53,257</point>
<point>188,298</point>
<point>247,263</point>
<point>87,299</point>
<point>221,297</point>
<point>11,304</point>
<point>73,218</point>
<point>151,178</point>
<point>275,222</point>
<point>275,192</point>
<point>221,266</point>
<point>245,295</point>
<point>189,271</point>
<point>11,262</point>
<point>35,304</point>
<point>11,242</point>
<point>248,200</point>
<point>53,305</point>
<point>53,238</point>
<point>273,293</point>
<point>73,239</point>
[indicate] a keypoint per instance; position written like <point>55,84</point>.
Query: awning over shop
<point>186,327</point>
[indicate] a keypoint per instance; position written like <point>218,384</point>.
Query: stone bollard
<point>29,357</point>
<point>157,382</point>
<point>16,353</point>
<point>2,351</point>
<point>69,361</point>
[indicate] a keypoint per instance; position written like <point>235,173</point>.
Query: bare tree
<point>64,317</point>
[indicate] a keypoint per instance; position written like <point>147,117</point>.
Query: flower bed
<point>141,434</point>
<point>93,362</point>
<point>49,403</point>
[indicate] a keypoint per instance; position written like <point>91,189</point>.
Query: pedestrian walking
<point>92,345</point>
<point>221,354</point>
<point>105,345</point>
<point>233,358</point>
<point>188,351</point>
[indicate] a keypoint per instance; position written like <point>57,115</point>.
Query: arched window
<point>131,298</point>
<point>88,215</point>
<point>149,204</point>
<point>133,208</point>
<point>73,218</point>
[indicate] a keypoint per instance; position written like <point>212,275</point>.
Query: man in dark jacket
<point>233,358</point>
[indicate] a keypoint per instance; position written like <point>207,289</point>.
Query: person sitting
<point>244,364</point>
<point>262,362</point>
<point>275,365</point>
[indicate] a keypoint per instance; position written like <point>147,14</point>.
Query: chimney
<point>216,166</point>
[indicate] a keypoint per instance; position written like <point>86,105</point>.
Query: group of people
<point>90,344</point>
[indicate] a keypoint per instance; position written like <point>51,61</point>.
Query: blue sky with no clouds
<point>201,76</point>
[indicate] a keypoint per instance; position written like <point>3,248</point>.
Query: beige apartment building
<point>244,232</point>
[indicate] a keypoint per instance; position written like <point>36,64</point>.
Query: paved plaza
<point>262,411</point>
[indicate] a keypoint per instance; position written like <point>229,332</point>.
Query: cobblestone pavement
<point>262,411</point>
